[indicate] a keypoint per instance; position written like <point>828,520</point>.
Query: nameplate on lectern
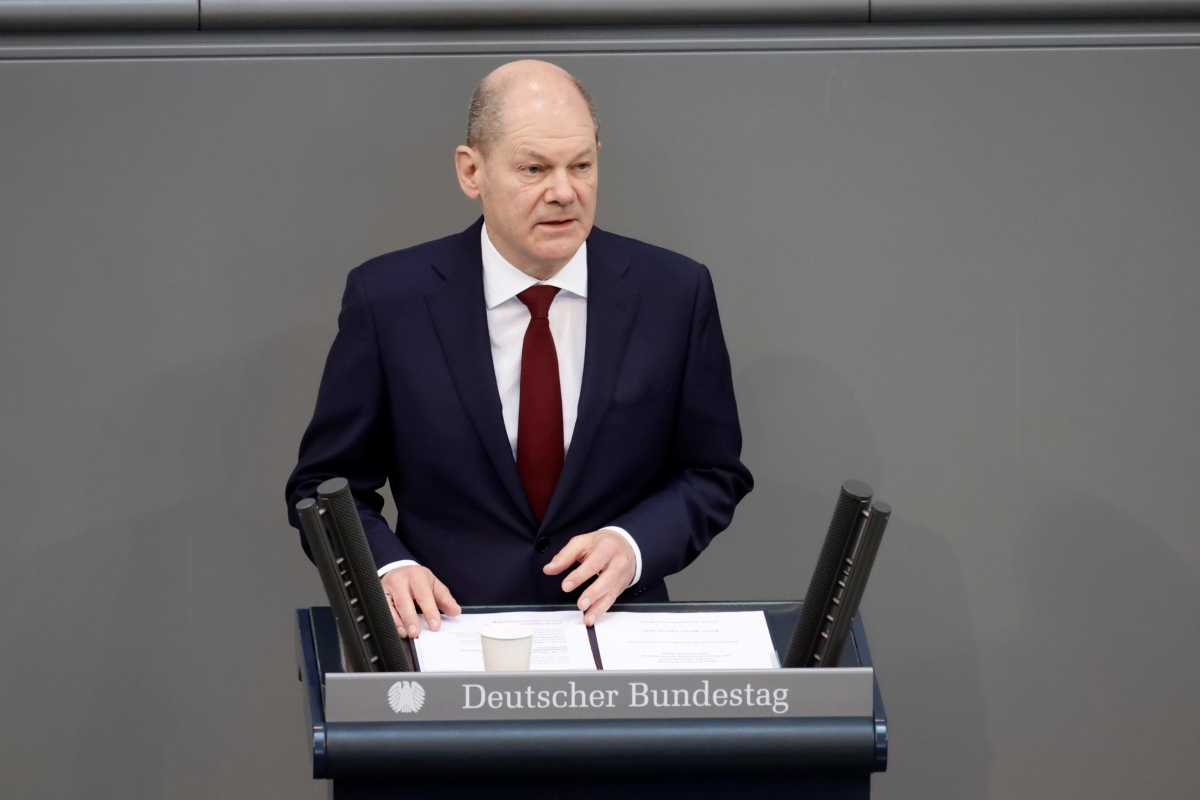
<point>446,697</point>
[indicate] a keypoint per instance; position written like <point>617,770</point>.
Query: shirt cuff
<point>408,562</point>
<point>637,551</point>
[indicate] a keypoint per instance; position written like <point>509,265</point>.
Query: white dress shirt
<point>507,319</point>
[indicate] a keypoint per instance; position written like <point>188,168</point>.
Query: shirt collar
<point>502,281</point>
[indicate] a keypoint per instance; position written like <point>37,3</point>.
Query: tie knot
<point>538,299</point>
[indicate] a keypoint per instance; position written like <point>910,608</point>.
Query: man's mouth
<point>556,223</point>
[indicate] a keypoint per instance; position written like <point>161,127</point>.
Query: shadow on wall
<point>922,640</point>
<point>804,434</point>
<point>1102,679</point>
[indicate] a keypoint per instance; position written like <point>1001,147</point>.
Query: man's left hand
<point>603,553</point>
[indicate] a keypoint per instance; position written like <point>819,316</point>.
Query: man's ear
<point>468,163</point>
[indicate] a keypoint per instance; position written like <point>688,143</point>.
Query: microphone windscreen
<point>335,494</point>
<point>853,500</point>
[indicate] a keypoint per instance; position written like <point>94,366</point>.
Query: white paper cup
<point>506,647</point>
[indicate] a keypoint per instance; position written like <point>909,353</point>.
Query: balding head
<point>531,161</point>
<point>524,83</point>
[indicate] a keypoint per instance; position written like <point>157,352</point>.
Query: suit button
<point>542,544</point>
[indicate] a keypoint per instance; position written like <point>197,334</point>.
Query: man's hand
<point>602,553</point>
<point>413,586</point>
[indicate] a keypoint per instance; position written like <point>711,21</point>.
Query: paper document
<point>560,641</point>
<point>630,640</point>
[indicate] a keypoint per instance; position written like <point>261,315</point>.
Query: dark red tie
<point>540,421</point>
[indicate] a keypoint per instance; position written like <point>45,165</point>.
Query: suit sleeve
<point>705,478</point>
<point>350,431</point>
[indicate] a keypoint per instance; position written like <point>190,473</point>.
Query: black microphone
<point>849,518</point>
<point>848,589</point>
<point>339,547</point>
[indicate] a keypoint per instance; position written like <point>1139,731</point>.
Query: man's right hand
<point>414,586</point>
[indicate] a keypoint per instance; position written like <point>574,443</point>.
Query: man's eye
<point>531,170</point>
<point>584,167</point>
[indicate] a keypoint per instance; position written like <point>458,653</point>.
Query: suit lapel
<point>459,315</point>
<point>611,308</point>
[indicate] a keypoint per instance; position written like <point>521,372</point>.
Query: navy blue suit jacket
<point>409,395</point>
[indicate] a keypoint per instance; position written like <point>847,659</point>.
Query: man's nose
<point>560,190</point>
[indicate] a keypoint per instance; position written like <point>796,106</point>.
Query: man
<point>542,396</point>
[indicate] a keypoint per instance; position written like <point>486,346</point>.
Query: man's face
<point>537,182</point>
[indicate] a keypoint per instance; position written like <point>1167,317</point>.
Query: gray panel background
<point>967,276</point>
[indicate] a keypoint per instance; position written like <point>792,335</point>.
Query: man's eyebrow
<point>525,151</point>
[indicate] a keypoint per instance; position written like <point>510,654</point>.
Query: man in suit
<point>543,396</point>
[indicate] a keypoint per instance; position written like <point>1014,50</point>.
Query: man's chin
<point>552,245</point>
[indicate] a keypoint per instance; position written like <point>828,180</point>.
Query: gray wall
<point>964,268</point>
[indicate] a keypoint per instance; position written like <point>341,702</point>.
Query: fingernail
<point>412,630</point>
<point>568,586</point>
<point>591,620</point>
<point>433,626</point>
<point>403,633</point>
<point>585,602</point>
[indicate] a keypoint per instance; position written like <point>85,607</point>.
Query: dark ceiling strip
<point>149,15</point>
<point>1030,10</point>
<point>99,15</point>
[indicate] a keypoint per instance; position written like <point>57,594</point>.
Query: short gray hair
<point>484,118</point>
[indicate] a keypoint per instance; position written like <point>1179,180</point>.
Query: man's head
<point>531,158</point>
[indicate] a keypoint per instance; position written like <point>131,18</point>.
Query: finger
<point>592,565</point>
<point>410,623</point>
<point>388,595</point>
<point>423,594</point>
<point>574,549</point>
<point>614,578</point>
<point>445,600</point>
<point>612,582</point>
<point>597,608</point>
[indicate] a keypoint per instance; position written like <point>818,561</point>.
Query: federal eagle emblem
<point>406,697</point>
